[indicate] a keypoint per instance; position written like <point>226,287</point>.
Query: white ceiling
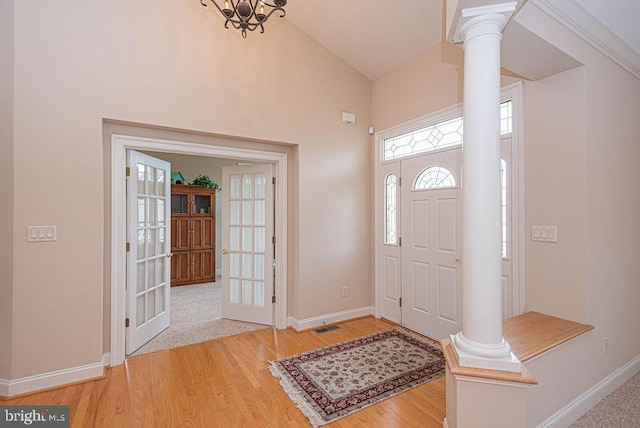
<point>376,36</point>
<point>619,16</point>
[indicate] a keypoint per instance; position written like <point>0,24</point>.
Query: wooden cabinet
<point>193,234</point>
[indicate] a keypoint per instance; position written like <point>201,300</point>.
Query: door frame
<point>119,146</point>
<point>515,93</point>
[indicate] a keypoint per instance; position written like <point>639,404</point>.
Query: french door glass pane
<point>153,211</point>
<point>247,185</point>
<point>141,179</point>
<point>140,277</point>
<point>259,266</point>
<point>160,295</point>
<point>161,182</point>
<point>234,264</point>
<point>246,292</point>
<point>247,262</point>
<point>234,290</point>
<point>151,242</point>
<point>141,244</point>
<point>259,212</point>
<point>258,293</point>
<point>234,212</point>
<point>161,240</point>
<point>161,270</point>
<point>142,211</point>
<point>234,238</point>
<point>140,310</point>
<point>247,239</point>
<point>151,274</point>
<point>259,185</point>
<point>234,184</point>
<point>151,181</point>
<point>259,241</point>
<point>161,211</point>
<point>151,302</point>
<point>247,212</point>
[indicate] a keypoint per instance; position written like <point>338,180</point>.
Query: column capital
<point>475,21</point>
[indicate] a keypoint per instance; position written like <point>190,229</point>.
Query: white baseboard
<point>10,388</point>
<point>578,407</point>
<point>106,359</point>
<point>313,322</point>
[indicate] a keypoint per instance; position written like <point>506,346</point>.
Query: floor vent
<point>327,328</point>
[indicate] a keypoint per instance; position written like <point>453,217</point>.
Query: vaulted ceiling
<point>376,36</point>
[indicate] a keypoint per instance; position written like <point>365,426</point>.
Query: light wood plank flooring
<point>227,383</point>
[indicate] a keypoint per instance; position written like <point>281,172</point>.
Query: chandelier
<point>248,14</point>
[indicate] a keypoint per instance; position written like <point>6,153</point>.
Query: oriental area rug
<point>335,381</point>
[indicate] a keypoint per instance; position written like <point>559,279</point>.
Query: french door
<point>247,242</point>
<point>148,232</point>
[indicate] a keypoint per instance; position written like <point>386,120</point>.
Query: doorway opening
<point>195,251</point>
<point>418,166</point>
<point>120,144</point>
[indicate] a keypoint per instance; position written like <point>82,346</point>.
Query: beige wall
<point>427,83</point>
<point>165,64</point>
<point>6,185</point>
<point>555,155</point>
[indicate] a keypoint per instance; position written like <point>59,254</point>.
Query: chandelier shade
<point>247,15</point>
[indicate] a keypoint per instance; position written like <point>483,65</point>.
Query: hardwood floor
<point>227,383</point>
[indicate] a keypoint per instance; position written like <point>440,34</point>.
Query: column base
<point>491,358</point>
<point>483,403</point>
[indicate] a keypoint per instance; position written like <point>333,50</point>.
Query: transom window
<point>434,177</point>
<point>436,136</point>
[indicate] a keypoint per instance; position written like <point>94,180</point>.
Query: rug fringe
<point>307,410</point>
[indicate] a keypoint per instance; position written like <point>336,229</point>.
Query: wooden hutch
<point>193,234</point>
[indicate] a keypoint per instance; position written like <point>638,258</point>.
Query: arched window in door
<point>434,177</point>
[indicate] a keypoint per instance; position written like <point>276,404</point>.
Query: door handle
<point>225,251</point>
<point>168,255</point>
<point>458,260</point>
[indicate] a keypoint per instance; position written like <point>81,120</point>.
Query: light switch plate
<point>41,233</point>
<point>544,233</point>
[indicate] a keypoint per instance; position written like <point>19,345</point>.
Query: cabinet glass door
<point>179,204</point>
<point>202,204</point>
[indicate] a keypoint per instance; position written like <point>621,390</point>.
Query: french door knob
<point>168,255</point>
<point>225,251</point>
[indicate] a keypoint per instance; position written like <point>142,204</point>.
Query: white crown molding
<point>576,18</point>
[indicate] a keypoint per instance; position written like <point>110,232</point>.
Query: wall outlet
<point>345,292</point>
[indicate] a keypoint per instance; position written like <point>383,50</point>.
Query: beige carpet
<point>620,409</point>
<point>196,316</point>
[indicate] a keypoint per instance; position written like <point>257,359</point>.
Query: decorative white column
<point>480,344</point>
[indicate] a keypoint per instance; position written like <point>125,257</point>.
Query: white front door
<point>247,242</point>
<point>431,243</point>
<point>148,267</point>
